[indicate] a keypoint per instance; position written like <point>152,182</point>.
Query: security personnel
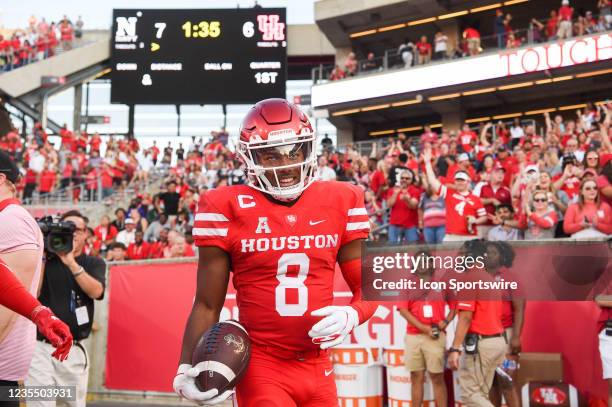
<point>71,283</point>
<point>480,327</point>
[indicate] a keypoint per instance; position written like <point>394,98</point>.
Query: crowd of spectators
<point>501,181</point>
<point>152,226</point>
<point>160,225</point>
<point>39,40</point>
<point>74,167</point>
<point>562,23</point>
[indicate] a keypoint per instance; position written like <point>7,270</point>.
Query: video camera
<point>58,235</point>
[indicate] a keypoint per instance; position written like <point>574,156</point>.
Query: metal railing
<point>92,193</point>
<point>392,59</point>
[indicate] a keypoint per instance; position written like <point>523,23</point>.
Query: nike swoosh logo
<point>328,373</point>
<point>312,223</point>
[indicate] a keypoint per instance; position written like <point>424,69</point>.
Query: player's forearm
<point>200,320</point>
<point>14,295</point>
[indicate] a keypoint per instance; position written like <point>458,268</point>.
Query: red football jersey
<point>283,257</point>
<point>458,208</point>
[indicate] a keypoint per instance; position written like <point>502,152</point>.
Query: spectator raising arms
<point>464,210</point>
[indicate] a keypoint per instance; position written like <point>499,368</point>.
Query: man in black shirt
<point>397,169</point>
<point>71,283</point>
<point>171,199</point>
<point>180,152</point>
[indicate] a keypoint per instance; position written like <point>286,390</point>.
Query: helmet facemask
<point>282,166</point>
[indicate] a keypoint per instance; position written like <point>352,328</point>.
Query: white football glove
<point>184,385</point>
<point>333,329</point>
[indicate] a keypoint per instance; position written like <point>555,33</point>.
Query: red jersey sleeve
<point>465,305</point>
<point>357,220</point>
<point>479,207</point>
<point>212,221</point>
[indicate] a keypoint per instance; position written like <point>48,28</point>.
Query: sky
<point>97,13</point>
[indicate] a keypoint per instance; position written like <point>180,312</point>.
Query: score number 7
<point>160,29</point>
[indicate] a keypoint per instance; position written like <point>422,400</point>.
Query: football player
<point>281,236</point>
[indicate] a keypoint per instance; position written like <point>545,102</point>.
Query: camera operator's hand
<point>68,259</point>
<point>54,330</point>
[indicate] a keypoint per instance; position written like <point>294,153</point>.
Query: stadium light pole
<point>178,120</point>
<point>224,108</point>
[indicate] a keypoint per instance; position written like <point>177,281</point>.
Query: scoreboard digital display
<point>203,56</point>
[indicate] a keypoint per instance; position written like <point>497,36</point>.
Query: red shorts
<point>278,381</point>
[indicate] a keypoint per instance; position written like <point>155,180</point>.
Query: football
<point>224,352</point>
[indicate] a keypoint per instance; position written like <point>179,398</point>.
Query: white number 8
<point>285,282</point>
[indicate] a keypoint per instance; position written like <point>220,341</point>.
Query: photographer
<point>71,282</point>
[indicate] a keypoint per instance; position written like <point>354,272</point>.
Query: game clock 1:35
<point>203,29</point>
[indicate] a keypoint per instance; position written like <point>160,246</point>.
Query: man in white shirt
<point>128,235</point>
<point>324,172</point>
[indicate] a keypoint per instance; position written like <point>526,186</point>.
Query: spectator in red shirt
<point>493,194</point>
<point>139,250</point>
<point>565,20</point>
<point>604,183</point>
<point>466,137</point>
<point>47,181</point>
<point>463,164</point>
<point>552,25</point>
<point>91,183</point>
<point>378,181</point>
<point>428,136</point>
<point>423,51</point>
<point>472,39</point>
<point>590,217</point>
<point>569,180</point>
<point>541,222</point>
<point>66,35</point>
<point>95,142</point>
<point>41,46</point>
<point>403,199</point>
<point>464,210</point>
<point>337,73</point>
<point>51,41</point>
<point>158,248</point>
<point>105,232</point>
<point>179,248</point>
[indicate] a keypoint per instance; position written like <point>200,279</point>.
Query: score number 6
<point>248,29</point>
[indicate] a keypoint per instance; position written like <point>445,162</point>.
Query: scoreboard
<point>198,56</point>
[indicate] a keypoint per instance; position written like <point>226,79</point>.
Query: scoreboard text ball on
<point>198,56</point>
